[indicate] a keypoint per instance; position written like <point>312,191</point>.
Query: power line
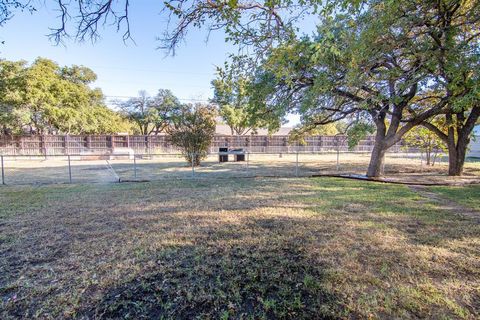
<point>152,70</point>
<point>181,99</point>
<point>99,81</point>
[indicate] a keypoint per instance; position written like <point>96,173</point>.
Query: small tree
<point>426,141</point>
<point>192,131</point>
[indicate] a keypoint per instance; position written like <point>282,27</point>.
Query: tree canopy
<point>393,64</point>
<point>231,95</point>
<point>45,98</point>
<point>255,24</point>
<point>383,64</point>
<point>152,114</point>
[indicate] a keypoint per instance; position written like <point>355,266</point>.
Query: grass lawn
<point>88,169</point>
<point>468,197</point>
<point>237,249</point>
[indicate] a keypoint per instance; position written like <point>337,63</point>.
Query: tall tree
<point>139,111</point>
<point>152,114</point>
<point>403,46</point>
<point>453,29</point>
<point>384,63</point>
<point>46,98</point>
<point>331,78</point>
<point>13,116</point>
<point>382,60</point>
<point>231,96</point>
<point>167,108</point>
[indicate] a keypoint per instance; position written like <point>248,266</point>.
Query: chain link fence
<point>91,168</point>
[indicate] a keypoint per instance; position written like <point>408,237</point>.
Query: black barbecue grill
<point>223,153</point>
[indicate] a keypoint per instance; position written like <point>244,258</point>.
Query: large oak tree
<point>400,63</point>
<point>382,59</point>
<point>152,115</point>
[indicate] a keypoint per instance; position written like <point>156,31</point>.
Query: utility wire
<point>153,70</point>
<point>99,82</point>
<point>181,99</point>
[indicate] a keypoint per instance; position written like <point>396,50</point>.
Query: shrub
<point>193,130</point>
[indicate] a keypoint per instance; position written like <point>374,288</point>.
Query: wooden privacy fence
<point>105,144</point>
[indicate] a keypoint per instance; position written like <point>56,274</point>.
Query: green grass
<point>237,249</point>
<point>466,196</point>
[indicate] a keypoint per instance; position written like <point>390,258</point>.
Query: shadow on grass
<point>290,248</point>
<point>239,282</point>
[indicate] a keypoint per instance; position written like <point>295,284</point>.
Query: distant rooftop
<point>224,130</point>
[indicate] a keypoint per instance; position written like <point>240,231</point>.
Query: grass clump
<point>236,249</point>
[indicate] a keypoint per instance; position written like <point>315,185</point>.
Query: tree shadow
<point>231,249</point>
<point>244,281</point>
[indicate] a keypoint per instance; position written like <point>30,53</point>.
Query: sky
<point>123,69</point>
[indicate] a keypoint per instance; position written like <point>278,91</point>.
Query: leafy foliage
<point>152,114</point>
<point>262,23</point>
<point>357,132</point>
<point>230,95</point>
<point>298,134</point>
<point>45,98</point>
<point>381,63</point>
<point>368,58</point>
<point>193,131</point>
<point>233,95</point>
<point>427,141</point>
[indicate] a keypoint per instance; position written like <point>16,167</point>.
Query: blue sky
<point>125,68</point>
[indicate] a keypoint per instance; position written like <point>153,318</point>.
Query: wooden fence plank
<point>104,144</point>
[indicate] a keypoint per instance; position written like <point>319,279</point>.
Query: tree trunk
<point>435,153</point>
<point>193,157</point>
<point>375,168</point>
<point>457,146</point>
<point>196,159</point>
<point>456,158</point>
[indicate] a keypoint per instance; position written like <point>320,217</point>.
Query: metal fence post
<point>338,158</point>
<point>421,161</point>
<point>69,170</point>
<point>135,166</point>
<point>3,172</point>
<point>296,165</point>
<point>383,164</point>
<point>193,165</point>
